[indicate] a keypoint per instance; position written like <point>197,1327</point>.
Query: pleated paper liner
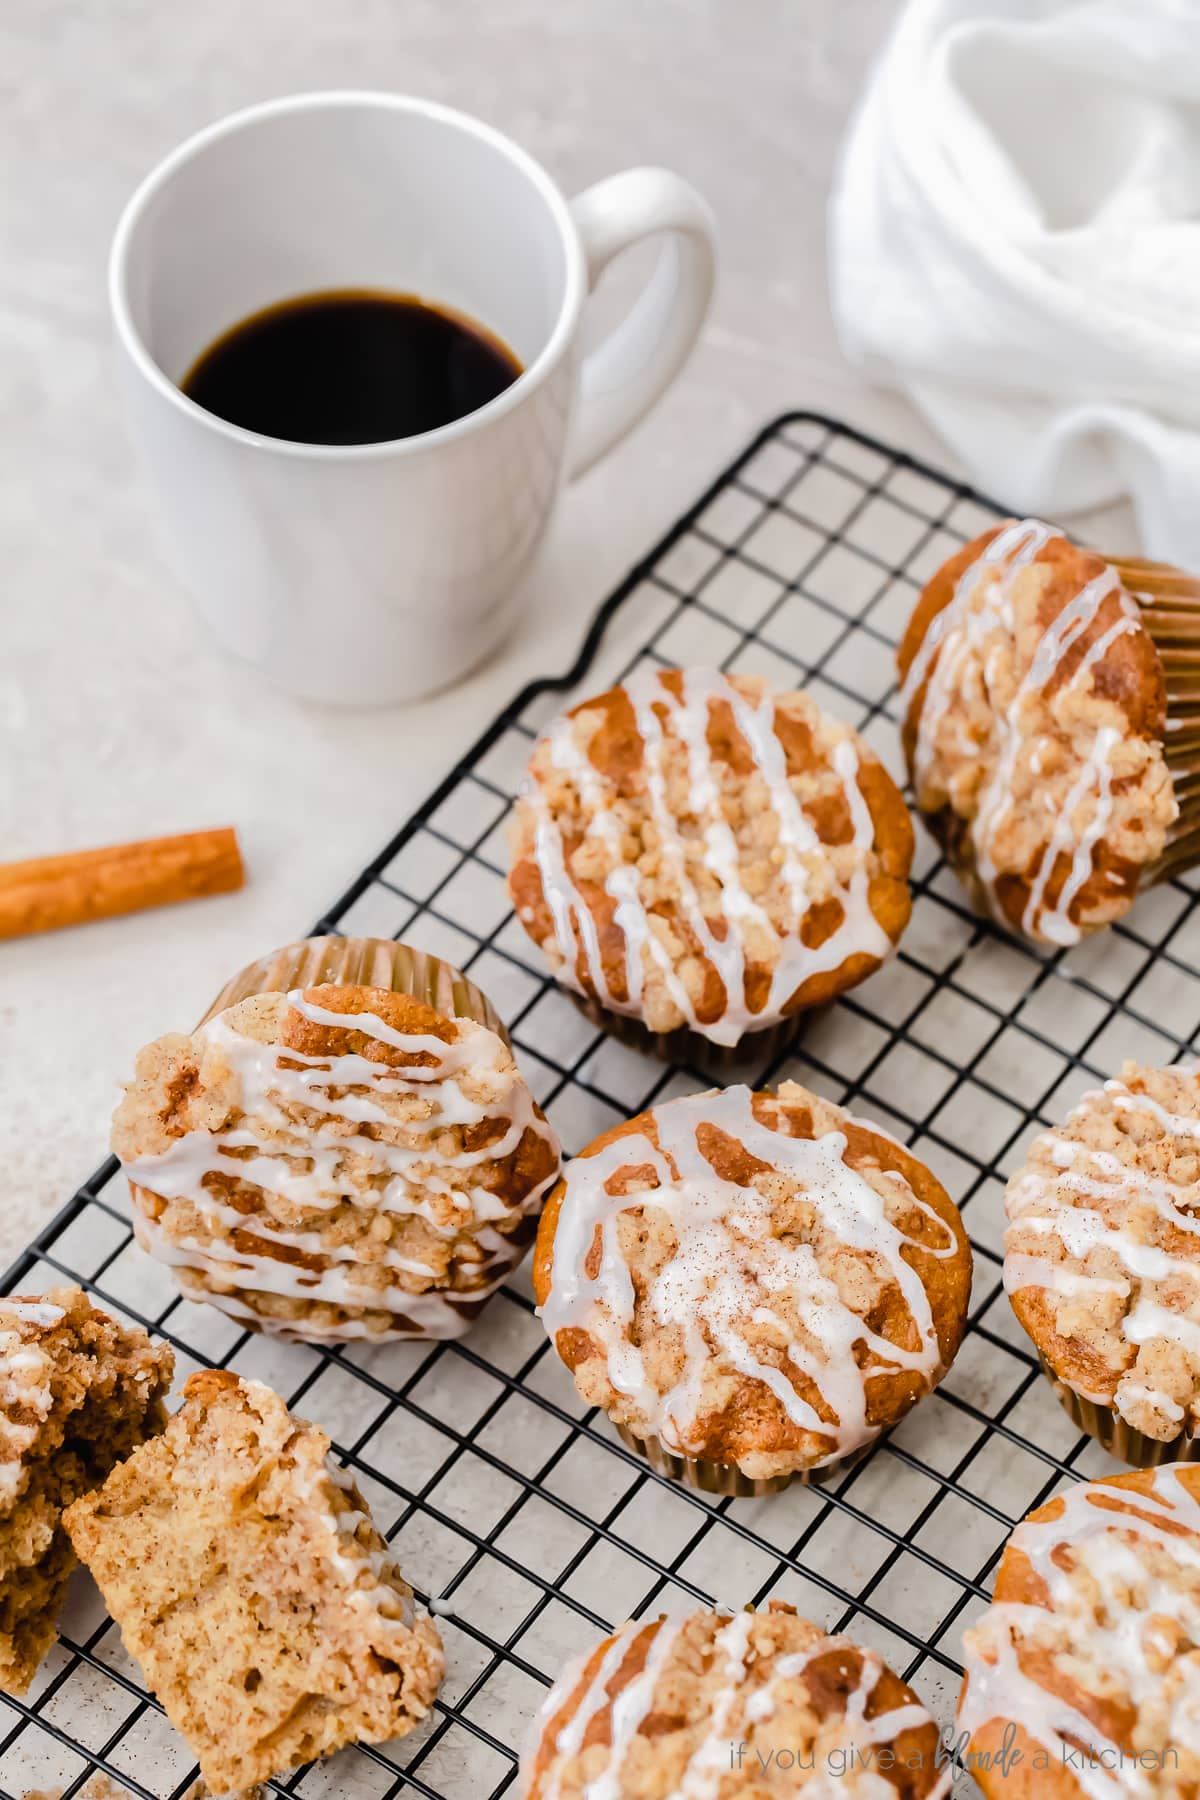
<point>362,962</point>
<point>1169,599</point>
<point>726,1478</point>
<point>1113,1434</point>
<point>683,1045</point>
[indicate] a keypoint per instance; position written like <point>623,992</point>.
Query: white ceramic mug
<point>376,572</point>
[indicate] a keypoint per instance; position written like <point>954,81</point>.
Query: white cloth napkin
<point>1015,242</point>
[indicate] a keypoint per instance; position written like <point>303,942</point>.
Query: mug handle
<point>621,379</point>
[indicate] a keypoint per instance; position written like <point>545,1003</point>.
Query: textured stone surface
<point>117,719</point>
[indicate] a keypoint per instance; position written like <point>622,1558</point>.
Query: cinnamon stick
<point>52,891</point>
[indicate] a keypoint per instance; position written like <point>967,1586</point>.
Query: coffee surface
<point>350,366</point>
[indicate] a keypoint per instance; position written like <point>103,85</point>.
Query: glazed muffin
<point>1051,728</point>
<point>760,1703</point>
<point>1102,1261</point>
<point>342,1159</point>
<point>1087,1664</point>
<point>751,1285</point>
<point>703,860</point>
<point>78,1392</point>
<point>265,1610</point>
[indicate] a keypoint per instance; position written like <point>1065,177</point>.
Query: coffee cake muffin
<point>78,1392</point>
<point>1052,729</point>
<point>344,1149</point>
<point>751,1285</point>
<point>1083,1677</point>
<point>247,1578</point>
<point>1102,1261</point>
<point>701,859</point>
<point>760,1703</point>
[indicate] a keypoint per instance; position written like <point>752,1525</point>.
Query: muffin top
<point>759,1704</point>
<point>56,1351</point>
<point>693,850</point>
<point>1102,1252</point>
<point>756,1279</point>
<point>1034,715</point>
<point>26,1370</point>
<point>298,1136</point>
<point>1092,1646</point>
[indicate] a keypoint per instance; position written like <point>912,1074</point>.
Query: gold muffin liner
<point>726,1478</point>
<point>1112,1433</point>
<point>1169,600</point>
<point>683,1045</point>
<point>378,963</point>
<point>362,962</point>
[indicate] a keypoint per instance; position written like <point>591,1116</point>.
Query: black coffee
<point>350,367</point>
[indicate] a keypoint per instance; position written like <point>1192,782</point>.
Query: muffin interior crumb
<point>249,1582</point>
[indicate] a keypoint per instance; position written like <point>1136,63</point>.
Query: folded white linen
<point>1015,242</point>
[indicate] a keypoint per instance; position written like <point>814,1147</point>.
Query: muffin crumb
<point>78,1391</point>
<point>250,1584</point>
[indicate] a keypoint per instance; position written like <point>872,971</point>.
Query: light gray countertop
<point>117,718</point>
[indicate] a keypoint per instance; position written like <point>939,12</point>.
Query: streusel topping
<point>712,1706</point>
<point>1093,1642</point>
<point>1103,1247</point>
<point>733,1273</point>
<point>1026,725</point>
<point>78,1390</point>
<point>693,850</point>
<point>301,1147</point>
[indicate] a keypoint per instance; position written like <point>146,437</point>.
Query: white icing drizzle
<point>33,1312</point>
<point>729,1267</point>
<point>709,1760</point>
<point>741,1703</point>
<point>25,1373</point>
<point>437,1313</point>
<point>722,941</point>
<point>25,1381</point>
<point>407,1179</point>
<point>952,644</point>
<point>1055,923</point>
<point>380,1597</point>
<point>1081,1205</point>
<point>1106,1545</point>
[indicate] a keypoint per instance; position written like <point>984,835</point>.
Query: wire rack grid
<point>514,1511</point>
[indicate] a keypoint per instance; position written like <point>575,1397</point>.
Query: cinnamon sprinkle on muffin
<point>752,1286</point>
<point>697,854</point>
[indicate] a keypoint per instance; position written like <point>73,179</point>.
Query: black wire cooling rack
<point>514,1511</point>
